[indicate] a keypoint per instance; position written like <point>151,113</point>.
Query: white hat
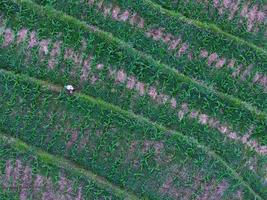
<point>70,88</point>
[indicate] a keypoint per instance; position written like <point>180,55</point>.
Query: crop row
<point>27,173</point>
<point>197,53</point>
<point>69,57</point>
<point>245,19</point>
<point>127,150</point>
<point>162,98</point>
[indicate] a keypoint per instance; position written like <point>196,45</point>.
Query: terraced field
<point>168,103</point>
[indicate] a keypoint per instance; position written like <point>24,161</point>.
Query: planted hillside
<point>162,107</point>
<point>242,18</point>
<point>28,173</point>
<point>124,79</point>
<point>101,67</point>
<point>216,59</point>
<point>127,150</point>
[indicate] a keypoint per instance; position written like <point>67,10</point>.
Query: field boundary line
<point>130,114</point>
<point>205,25</point>
<point>59,161</point>
<point>51,12</point>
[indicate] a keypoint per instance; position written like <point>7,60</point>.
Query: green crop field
<point>122,99</point>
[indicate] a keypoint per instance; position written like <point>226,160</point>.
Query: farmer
<point>69,88</point>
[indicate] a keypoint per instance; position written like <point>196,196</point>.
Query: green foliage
<point>129,151</point>
<point>206,12</point>
<point>53,170</point>
<point>198,36</point>
<point>133,140</point>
